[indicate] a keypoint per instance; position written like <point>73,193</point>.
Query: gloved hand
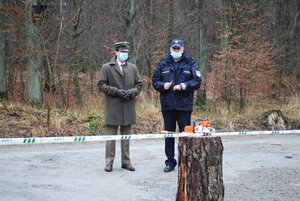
<point>128,96</point>
<point>121,93</point>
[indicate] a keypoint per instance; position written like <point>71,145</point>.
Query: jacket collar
<point>113,62</point>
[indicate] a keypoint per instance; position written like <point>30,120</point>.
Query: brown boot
<point>128,167</point>
<point>108,168</point>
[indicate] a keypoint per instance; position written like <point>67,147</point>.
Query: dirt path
<point>264,168</point>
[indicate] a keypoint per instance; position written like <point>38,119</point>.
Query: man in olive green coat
<point>121,83</point>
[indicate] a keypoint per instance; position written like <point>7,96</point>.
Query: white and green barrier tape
<point>39,140</point>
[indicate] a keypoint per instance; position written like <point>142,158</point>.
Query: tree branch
<point>295,24</point>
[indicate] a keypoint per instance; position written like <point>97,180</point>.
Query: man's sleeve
<point>195,82</point>
<point>156,80</point>
<point>138,86</point>
<point>102,84</point>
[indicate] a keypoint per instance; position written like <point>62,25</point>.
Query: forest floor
<point>22,120</point>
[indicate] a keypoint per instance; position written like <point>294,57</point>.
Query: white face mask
<point>176,55</point>
<point>123,56</point>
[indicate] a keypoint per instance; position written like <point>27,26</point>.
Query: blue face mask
<point>123,56</point>
<point>176,55</point>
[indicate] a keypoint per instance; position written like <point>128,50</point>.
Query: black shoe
<point>108,168</point>
<point>168,168</point>
<point>128,167</point>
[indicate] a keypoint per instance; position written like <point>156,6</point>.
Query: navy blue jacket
<point>188,73</point>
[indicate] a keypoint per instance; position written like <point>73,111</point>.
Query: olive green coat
<point>118,111</point>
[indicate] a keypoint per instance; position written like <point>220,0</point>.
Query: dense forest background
<point>51,51</point>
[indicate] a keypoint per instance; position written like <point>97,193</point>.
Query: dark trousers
<point>182,118</point>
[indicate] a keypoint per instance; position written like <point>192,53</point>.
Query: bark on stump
<point>200,176</point>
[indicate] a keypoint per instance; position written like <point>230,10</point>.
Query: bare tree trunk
<point>242,99</point>
<point>148,24</point>
<point>76,12</point>
<point>297,38</point>
<point>201,95</point>
<point>200,175</point>
<point>57,69</point>
<point>202,37</point>
<point>34,61</point>
<point>171,15</point>
<point>224,42</point>
<point>224,25</point>
<point>129,17</point>
<point>282,40</point>
<point>3,89</point>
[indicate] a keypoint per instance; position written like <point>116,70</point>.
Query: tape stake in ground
<point>40,140</point>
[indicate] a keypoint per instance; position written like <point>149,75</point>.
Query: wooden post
<point>200,175</point>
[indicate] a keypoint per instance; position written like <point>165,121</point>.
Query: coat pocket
<point>166,76</point>
<point>187,73</point>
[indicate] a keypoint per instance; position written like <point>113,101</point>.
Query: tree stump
<point>275,120</point>
<point>200,176</point>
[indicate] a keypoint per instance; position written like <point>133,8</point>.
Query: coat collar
<point>113,61</point>
<point>116,66</point>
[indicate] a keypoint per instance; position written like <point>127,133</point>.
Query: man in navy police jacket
<point>176,77</point>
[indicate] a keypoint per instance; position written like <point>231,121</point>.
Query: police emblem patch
<point>198,73</point>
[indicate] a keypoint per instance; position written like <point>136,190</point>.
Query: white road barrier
<point>40,140</point>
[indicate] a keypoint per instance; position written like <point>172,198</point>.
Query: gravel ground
<point>262,168</point>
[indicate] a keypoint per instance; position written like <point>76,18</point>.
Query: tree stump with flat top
<point>200,176</point>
